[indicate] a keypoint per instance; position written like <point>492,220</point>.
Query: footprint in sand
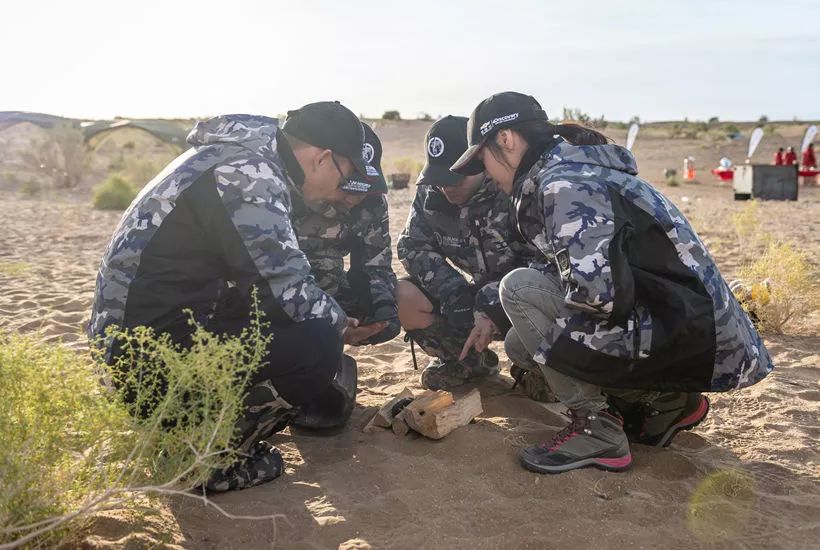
<point>809,395</point>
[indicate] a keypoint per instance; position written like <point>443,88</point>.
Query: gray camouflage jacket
<point>218,216</point>
<point>363,233</point>
<point>480,239</point>
<point>646,306</point>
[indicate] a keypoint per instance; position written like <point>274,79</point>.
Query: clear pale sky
<point>655,59</point>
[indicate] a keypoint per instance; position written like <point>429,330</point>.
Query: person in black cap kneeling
<point>216,224</point>
<point>357,227</point>
<point>457,225</point>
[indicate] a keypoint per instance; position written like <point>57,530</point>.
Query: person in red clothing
<point>809,160</point>
<point>809,163</point>
<point>790,157</point>
<point>778,157</point>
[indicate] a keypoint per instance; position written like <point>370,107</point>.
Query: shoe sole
<point>619,464</point>
<point>686,423</point>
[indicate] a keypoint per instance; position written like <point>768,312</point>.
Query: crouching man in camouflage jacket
<point>215,224</point>
<point>358,227</point>
<point>463,223</point>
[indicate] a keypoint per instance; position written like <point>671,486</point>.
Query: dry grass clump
<point>72,449</point>
<point>780,287</point>
<point>408,165</point>
<point>747,223</point>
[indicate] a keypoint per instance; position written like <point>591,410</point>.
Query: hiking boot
<point>262,465</point>
<point>443,375</point>
<point>533,384</point>
<point>591,439</point>
<point>655,423</point>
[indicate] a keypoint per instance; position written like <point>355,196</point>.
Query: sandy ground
<point>749,477</point>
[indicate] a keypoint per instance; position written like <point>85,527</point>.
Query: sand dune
<point>749,477</point>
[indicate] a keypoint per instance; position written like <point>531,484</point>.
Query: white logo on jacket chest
<point>447,240</point>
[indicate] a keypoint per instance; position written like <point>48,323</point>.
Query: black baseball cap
<point>372,156</point>
<point>499,111</point>
<point>330,125</point>
<point>446,141</point>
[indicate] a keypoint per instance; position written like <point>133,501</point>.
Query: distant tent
<point>164,130</point>
<point>10,118</point>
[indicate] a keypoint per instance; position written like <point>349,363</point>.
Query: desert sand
<point>748,477</point>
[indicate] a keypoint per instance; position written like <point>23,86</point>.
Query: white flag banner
<point>632,134</point>
<point>809,137</point>
<point>754,141</point>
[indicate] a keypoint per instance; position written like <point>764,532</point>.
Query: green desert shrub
<point>60,436</point>
<point>781,287</point>
<point>71,447</point>
<point>115,193</point>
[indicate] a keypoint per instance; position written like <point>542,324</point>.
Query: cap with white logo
<point>444,143</point>
<point>498,111</point>
<point>372,156</point>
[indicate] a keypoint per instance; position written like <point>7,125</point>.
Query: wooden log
<point>399,425</point>
<point>384,416</point>
<point>435,416</point>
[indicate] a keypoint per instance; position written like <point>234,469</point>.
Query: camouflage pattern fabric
<point>262,464</point>
<point>254,189</point>
<point>564,208</point>
<point>363,234</point>
<point>444,341</point>
<point>441,243</point>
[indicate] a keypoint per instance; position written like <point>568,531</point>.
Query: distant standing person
<point>790,158</point>
<point>778,157</point>
<point>809,162</point>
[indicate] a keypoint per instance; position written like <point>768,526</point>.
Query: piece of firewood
<point>435,416</point>
<point>384,416</point>
<point>371,427</point>
<point>399,425</point>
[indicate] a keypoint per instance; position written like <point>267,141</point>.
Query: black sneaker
<point>657,422</point>
<point>591,439</point>
<point>263,464</point>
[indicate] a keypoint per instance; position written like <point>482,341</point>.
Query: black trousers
<point>301,360</point>
<point>300,364</point>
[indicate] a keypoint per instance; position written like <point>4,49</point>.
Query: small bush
<point>408,165</point>
<point>13,269</point>
<point>31,189</point>
<point>769,130</point>
<point>58,428</point>
<point>10,177</point>
<point>391,115</point>
<point>747,223</point>
<point>782,287</point>
<point>71,449</point>
<point>115,193</point>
